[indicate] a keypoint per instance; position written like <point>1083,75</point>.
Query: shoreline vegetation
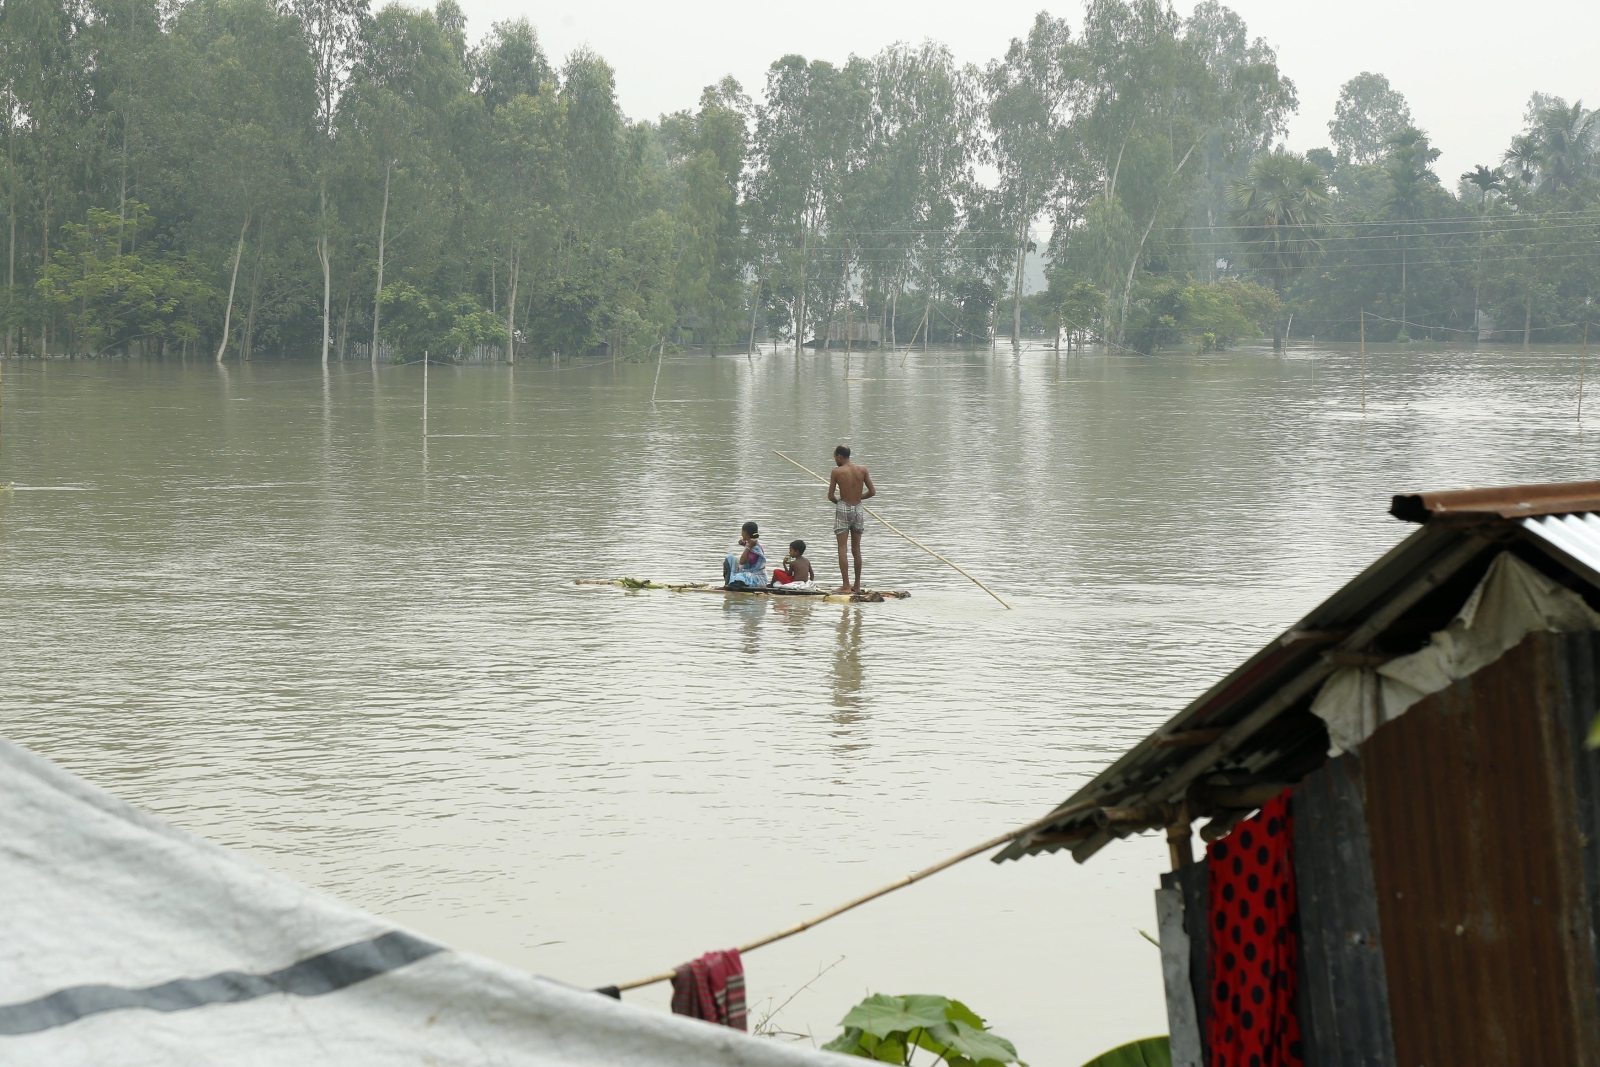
<point>235,179</point>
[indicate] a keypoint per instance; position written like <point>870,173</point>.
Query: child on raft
<point>746,568</point>
<point>796,568</point>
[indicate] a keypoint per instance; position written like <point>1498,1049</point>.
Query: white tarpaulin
<point>1512,601</point>
<point>125,941</point>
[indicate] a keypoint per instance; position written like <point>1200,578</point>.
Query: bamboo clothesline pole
<point>901,883</point>
<point>907,536</point>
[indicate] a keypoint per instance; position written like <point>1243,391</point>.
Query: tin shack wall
<point>1478,866</point>
<point>1344,993</point>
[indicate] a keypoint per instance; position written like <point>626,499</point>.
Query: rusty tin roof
<point>1254,731</point>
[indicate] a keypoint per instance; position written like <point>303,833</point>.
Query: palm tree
<point>1487,181</point>
<point>1566,145</point>
<point>1281,212</point>
<point>1523,157</point>
<point>1411,181</point>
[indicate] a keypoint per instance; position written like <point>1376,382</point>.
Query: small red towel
<point>711,988</point>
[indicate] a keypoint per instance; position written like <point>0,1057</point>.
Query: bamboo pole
<point>907,536</point>
<point>424,394</point>
<point>1582,362</point>
<point>660,355</point>
<point>900,883</point>
<point>913,340</point>
<point>1363,362</point>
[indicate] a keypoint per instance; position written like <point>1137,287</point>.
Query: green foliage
<point>110,295</point>
<point>278,145</point>
<point>1367,117</point>
<point>1150,1052</point>
<point>439,326</point>
<point>1168,311</point>
<point>891,1029</point>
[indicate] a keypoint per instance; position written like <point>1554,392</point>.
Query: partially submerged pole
<point>424,393</point>
<point>907,536</point>
<point>1583,360</point>
<point>660,354</point>
<point>1363,361</point>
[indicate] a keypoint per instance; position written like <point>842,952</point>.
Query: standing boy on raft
<point>848,485</point>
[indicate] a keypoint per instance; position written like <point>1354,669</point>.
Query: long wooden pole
<point>424,394</point>
<point>907,536</point>
<point>901,883</point>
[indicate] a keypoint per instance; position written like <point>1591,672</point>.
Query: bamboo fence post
<point>907,536</point>
<point>901,883</point>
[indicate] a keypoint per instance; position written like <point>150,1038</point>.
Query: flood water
<point>255,601</point>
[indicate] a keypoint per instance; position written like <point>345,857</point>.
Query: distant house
<point>1415,750</point>
<point>833,334</point>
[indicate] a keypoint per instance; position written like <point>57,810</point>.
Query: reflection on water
<point>284,619</point>
<point>847,673</point>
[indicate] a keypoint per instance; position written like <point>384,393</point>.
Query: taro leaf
<point>959,1012</point>
<point>890,1050</point>
<point>977,1044</point>
<point>1151,1052</point>
<point>882,1015</point>
<point>848,1042</point>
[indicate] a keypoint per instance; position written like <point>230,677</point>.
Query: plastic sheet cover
<point>1512,601</point>
<point>125,941</point>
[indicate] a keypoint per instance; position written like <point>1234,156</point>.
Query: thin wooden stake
<point>907,536</point>
<point>660,355</point>
<point>976,850</point>
<point>424,393</point>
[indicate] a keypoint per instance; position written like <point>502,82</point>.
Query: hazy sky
<point>1466,66</point>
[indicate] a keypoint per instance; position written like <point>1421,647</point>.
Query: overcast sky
<point>1466,66</point>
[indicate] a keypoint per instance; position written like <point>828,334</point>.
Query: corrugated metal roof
<point>1577,537</point>
<point>1254,728</point>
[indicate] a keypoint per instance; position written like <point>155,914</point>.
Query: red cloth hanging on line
<point>711,988</point>
<point>1254,1019</point>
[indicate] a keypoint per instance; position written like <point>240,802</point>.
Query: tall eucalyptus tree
<point>332,30</point>
<point>1029,92</point>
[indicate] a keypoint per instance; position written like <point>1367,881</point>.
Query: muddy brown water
<point>254,601</point>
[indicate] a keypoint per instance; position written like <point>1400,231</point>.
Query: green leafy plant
<point>891,1029</point>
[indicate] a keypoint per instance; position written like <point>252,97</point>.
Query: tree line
<point>237,178</point>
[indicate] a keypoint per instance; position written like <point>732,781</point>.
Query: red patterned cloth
<point>1254,1020</point>
<point>711,988</point>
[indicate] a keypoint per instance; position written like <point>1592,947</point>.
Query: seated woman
<point>747,568</point>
